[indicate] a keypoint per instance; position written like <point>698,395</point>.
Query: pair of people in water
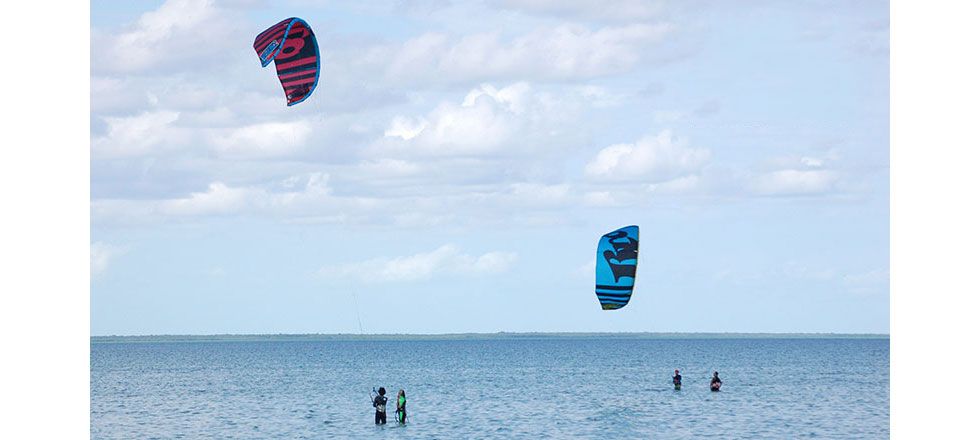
<point>380,411</point>
<point>715,381</point>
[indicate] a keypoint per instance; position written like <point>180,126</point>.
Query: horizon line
<point>500,334</point>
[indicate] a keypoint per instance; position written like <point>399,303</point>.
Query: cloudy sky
<point>458,162</point>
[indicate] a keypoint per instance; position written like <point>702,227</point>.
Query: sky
<point>458,161</point>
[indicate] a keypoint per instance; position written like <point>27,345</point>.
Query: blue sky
<point>459,160</point>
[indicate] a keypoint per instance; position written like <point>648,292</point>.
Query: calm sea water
<point>559,387</point>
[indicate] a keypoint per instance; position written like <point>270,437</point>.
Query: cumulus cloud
<point>218,199</point>
<point>565,51</point>
<point>311,198</point>
<point>405,128</point>
<point>484,121</point>
<point>162,131</point>
<point>262,140</point>
<point>794,182</point>
<point>652,158</point>
<point>681,185</point>
<point>446,260</point>
<point>158,132</point>
<point>778,177</point>
<point>487,121</point>
<point>505,146</point>
<point>797,175</point>
<point>145,133</point>
<point>388,168</point>
<point>613,10</point>
<point>111,94</point>
<point>294,196</point>
<point>179,31</point>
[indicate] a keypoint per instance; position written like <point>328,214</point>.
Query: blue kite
<point>615,267</point>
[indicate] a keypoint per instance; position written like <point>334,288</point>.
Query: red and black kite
<point>292,44</point>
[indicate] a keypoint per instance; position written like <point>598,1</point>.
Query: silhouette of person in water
<point>677,379</point>
<point>715,382</point>
<point>380,416</point>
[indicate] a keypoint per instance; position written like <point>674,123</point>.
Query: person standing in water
<point>715,382</point>
<point>400,414</point>
<point>677,379</point>
<point>380,416</point>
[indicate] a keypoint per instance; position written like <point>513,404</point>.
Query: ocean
<point>603,386</point>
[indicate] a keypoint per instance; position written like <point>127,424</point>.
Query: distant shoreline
<point>468,336</point>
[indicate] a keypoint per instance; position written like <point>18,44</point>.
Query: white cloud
<point>487,121</point>
<point>652,158</point>
<point>186,92</point>
<point>263,140</point>
<point>681,185</point>
<point>109,94</point>
<point>304,194</point>
<point>405,128</point>
<point>513,97</point>
<point>613,10</point>
<point>388,168</point>
<point>218,199</point>
<point>794,182</point>
<point>446,260</point>
<point>565,51</point>
<point>99,256</point>
<point>179,31</point>
<point>478,125</point>
<point>146,133</point>
<point>777,177</point>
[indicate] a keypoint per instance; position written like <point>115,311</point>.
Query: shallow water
<point>559,387</point>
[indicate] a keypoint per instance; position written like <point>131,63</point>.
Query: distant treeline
<point>473,336</point>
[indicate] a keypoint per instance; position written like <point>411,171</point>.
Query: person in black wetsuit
<point>677,379</point>
<point>380,416</point>
<point>715,382</point>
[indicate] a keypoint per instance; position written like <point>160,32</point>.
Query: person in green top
<point>400,408</point>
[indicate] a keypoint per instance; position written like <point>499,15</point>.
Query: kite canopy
<point>292,44</point>
<point>615,267</point>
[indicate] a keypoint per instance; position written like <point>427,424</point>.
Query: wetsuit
<point>400,411</point>
<point>380,416</point>
<point>677,381</point>
<point>715,383</point>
